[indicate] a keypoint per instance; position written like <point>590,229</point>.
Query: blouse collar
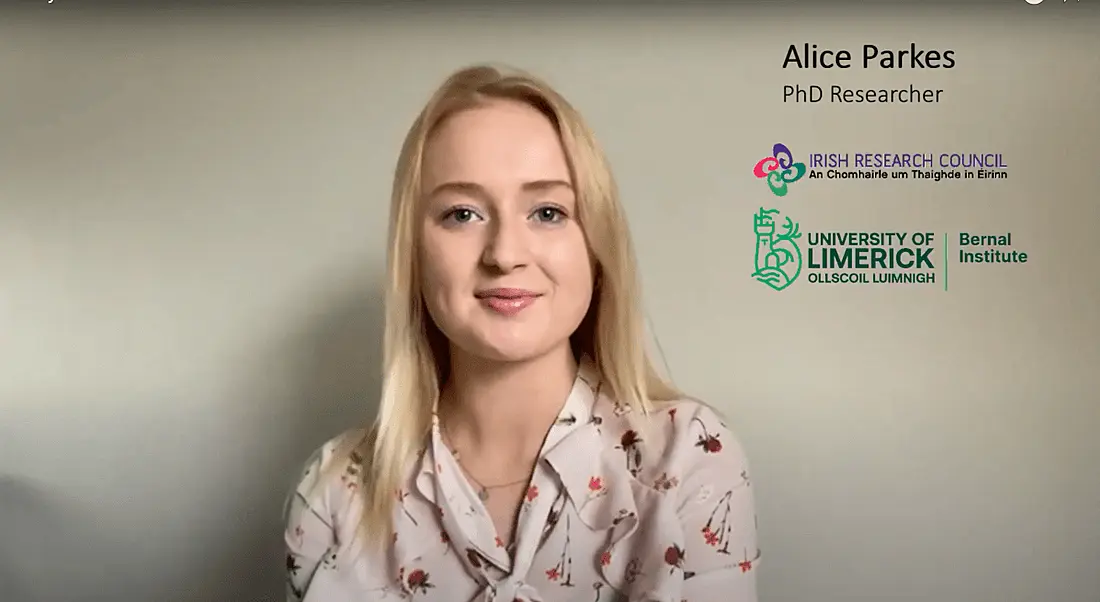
<point>599,488</point>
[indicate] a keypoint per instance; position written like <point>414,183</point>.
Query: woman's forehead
<point>498,142</point>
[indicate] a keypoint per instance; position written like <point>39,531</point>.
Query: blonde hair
<point>415,355</point>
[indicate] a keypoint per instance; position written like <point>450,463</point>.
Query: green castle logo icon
<point>778,257</point>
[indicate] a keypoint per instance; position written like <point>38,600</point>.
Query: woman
<point>525,448</point>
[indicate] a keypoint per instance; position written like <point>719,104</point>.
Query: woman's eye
<point>549,214</point>
<point>460,215</point>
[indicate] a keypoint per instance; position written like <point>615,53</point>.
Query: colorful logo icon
<point>778,257</point>
<point>779,170</point>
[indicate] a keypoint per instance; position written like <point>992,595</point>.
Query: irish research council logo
<point>778,255</point>
<point>779,169</point>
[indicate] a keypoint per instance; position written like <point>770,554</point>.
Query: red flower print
<point>418,581</point>
<point>500,542</point>
<point>605,558</point>
<point>595,484</point>
<point>443,537</point>
<point>746,566</point>
<point>532,493</point>
<point>710,444</point>
<point>674,556</point>
<point>718,527</point>
<point>553,574</point>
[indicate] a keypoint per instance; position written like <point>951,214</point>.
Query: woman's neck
<point>506,408</point>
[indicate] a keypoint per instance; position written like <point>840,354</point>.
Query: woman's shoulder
<point>332,470</point>
<point>341,449</point>
<point>676,439</point>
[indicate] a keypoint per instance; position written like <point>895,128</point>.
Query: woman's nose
<point>507,247</point>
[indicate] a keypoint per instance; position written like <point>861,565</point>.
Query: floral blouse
<point>619,508</point>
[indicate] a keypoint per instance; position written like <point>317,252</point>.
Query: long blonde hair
<point>415,355</point>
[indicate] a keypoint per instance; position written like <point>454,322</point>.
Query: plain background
<point>192,218</point>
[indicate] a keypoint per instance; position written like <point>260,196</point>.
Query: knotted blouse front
<point>620,507</point>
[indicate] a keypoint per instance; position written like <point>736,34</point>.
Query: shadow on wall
<point>24,511</point>
<point>54,551</point>
<point>224,540</point>
<point>336,368</point>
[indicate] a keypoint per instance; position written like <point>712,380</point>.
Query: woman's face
<point>506,272</point>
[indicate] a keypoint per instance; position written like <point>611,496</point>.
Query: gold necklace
<point>482,489</point>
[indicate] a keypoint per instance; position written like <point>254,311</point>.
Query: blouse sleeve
<point>716,510</point>
<point>309,527</point>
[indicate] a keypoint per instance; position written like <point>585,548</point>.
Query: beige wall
<point>192,216</point>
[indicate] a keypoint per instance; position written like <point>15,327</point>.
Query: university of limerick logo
<point>778,256</point>
<point>779,169</point>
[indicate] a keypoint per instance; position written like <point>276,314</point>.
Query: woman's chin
<point>507,353</point>
<point>508,349</point>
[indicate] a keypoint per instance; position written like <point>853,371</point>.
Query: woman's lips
<point>507,301</point>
